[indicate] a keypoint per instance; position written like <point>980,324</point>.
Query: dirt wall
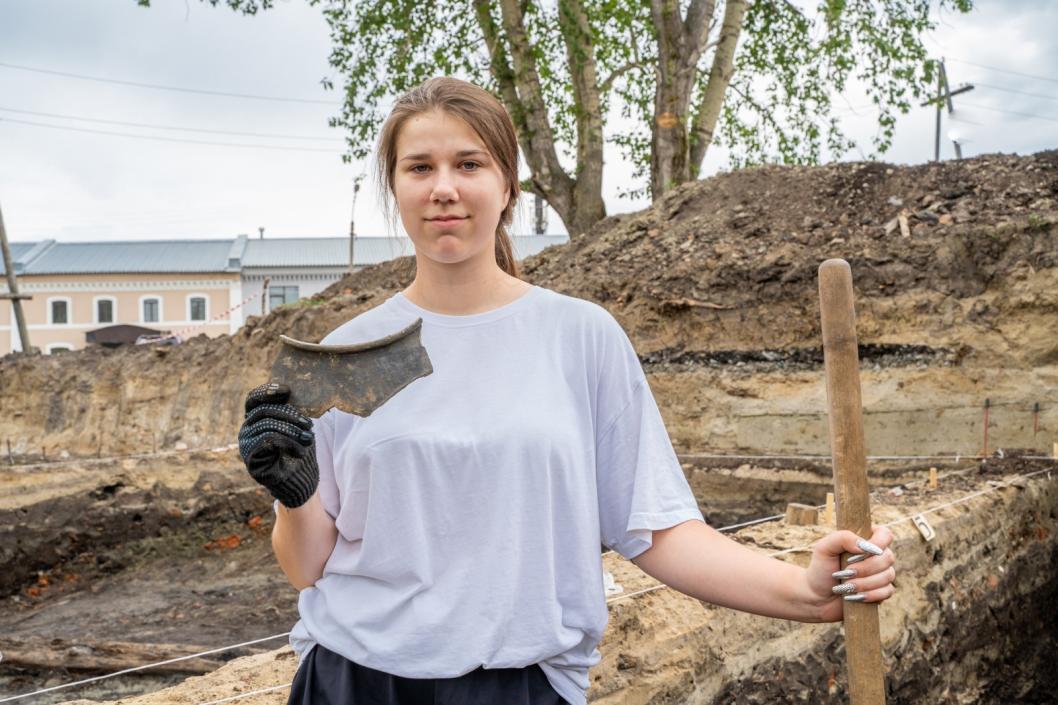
<point>717,270</point>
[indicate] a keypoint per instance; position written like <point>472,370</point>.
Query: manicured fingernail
<point>843,589</point>
<point>857,558</point>
<point>865,545</point>
<point>842,574</point>
<point>855,598</point>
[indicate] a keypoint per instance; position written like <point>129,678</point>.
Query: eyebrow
<point>462,153</point>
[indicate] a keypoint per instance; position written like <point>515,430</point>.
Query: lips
<point>448,218</point>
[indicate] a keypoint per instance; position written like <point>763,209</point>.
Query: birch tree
<point>758,77</point>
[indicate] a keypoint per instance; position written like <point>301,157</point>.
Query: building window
<point>279,295</point>
<point>60,311</point>
<point>198,308</point>
<point>104,311</point>
<point>53,348</point>
<point>150,310</point>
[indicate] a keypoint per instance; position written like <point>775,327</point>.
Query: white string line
<point>661,586</point>
<point>247,694</point>
<point>144,667</point>
<point>774,517</point>
<point>87,460</point>
<point>735,526</point>
<point>687,456</point>
<point>957,457</point>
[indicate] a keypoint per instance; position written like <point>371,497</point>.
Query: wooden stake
<point>1055,453</point>
<point>988,403</point>
<point>933,478</point>
<point>863,648</point>
<point>829,516</point>
<point>801,514</point>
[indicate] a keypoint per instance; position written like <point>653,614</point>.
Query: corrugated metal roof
<point>161,256</point>
<point>18,251</point>
<point>133,256</point>
<point>297,252</point>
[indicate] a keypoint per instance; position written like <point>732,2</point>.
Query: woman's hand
<point>868,578</point>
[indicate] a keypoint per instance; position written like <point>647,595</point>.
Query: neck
<point>462,289</point>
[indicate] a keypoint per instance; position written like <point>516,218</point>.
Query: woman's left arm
<point>699,561</point>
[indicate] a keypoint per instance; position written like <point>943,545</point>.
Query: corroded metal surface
<point>354,378</point>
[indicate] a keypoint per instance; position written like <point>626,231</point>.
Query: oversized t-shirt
<point>471,506</point>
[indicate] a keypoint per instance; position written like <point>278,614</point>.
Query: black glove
<point>278,446</point>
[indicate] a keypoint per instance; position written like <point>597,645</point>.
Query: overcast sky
<point>78,184</point>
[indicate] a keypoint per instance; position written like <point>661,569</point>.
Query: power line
<point>156,86</point>
<point>164,127</point>
<point>1012,112</point>
<point>167,139</point>
<point>1012,73</point>
<point>1011,90</point>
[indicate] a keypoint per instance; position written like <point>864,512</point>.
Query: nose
<point>444,188</point>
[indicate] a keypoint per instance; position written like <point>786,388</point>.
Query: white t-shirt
<point>471,506</point>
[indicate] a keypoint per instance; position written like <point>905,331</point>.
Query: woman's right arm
<point>303,539</point>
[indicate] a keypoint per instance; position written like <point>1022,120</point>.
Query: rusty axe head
<point>354,378</point>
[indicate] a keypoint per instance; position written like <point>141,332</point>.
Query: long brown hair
<point>485,115</point>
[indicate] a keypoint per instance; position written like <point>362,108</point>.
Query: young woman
<point>446,548</point>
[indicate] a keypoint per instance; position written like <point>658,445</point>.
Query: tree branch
<point>719,79</point>
<point>540,151</point>
<point>607,84</point>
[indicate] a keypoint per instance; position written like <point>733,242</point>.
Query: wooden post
<point>933,478</point>
<point>829,516</point>
<point>1054,454</point>
<point>988,403</point>
<point>863,647</point>
<point>12,291</point>
<point>801,514</point>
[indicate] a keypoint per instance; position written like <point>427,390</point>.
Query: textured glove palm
<point>278,446</point>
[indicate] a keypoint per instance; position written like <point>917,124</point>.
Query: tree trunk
<point>680,46</point>
<point>578,201</point>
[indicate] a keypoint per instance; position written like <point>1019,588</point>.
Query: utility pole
<point>944,95</point>
<point>352,221</point>
<point>12,290</point>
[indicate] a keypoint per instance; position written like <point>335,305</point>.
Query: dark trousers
<point>327,678</point>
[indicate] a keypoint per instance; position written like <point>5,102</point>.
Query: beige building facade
<point>64,308</point>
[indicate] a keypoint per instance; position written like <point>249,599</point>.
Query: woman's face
<point>444,169</point>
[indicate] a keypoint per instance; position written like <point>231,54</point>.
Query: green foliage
<point>788,67</point>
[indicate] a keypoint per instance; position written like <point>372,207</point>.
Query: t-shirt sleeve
<point>323,428</point>
<point>641,485</point>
